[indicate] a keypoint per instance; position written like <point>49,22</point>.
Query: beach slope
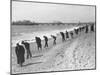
<point>73,54</point>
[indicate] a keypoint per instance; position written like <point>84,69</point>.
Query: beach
<point>74,54</point>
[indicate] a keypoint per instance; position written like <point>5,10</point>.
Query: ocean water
<point>28,33</point>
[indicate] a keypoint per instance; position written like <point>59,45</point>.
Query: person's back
<point>27,45</point>
<point>37,39</point>
<point>39,42</point>
<point>54,37</point>
<point>21,52</point>
<point>75,31</point>
<point>67,36</point>
<point>71,34</point>
<point>63,36</point>
<point>46,38</point>
<point>21,49</point>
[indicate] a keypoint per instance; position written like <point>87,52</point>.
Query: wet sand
<point>73,54</point>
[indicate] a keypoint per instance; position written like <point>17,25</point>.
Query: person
<point>71,33</point>
<point>27,46</point>
<point>80,28</point>
<point>38,41</point>
<point>67,36</point>
<point>63,36</point>
<point>76,31</point>
<point>83,28</point>
<point>92,27</point>
<point>20,51</point>
<point>86,29</point>
<point>46,41</point>
<point>54,37</point>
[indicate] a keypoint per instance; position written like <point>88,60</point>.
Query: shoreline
<point>62,56</point>
<point>74,53</point>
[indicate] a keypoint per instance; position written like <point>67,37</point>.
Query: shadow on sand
<point>31,64</point>
<point>37,56</point>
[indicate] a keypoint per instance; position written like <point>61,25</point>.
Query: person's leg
<point>46,44</point>
<point>63,39</point>
<point>38,46</point>
<point>21,64</point>
<point>30,53</point>
<point>86,30</point>
<point>27,54</point>
<point>20,61</point>
<point>54,42</point>
<point>17,58</point>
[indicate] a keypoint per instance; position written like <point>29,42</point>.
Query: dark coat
<point>38,41</point>
<point>54,37</point>
<point>27,45</point>
<point>20,51</point>
<point>67,36</point>
<point>46,39</point>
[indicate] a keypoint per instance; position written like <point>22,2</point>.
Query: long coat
<point>20,51</point>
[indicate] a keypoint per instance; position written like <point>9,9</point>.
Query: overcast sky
<point>43,12</point>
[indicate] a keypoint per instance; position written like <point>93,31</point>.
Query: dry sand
<point>74,54</point>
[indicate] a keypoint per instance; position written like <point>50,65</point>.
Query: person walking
<point>63,36</point>
<point>27,46</point>
<point>67,36</point>
<point>54,37</point>
<point>46,41</point>
<point>71,33</point>
<point>92,27</point>
<point>86,29</point>
<point>38,41</point>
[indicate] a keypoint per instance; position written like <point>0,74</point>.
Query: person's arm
<point>16,50</point>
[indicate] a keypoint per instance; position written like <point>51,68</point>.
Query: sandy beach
<point>73,54</point>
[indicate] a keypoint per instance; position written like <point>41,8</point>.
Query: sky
<point>44,12</point>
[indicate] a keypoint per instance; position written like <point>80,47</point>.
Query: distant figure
<point>92,27</point>
<point>46,41</point>
<point>63,36</point>
<point>83,28</point>
<point>67,36</point>
<point>71,33</point>
<point>38,41</point>
<point>20,51</point>
<point>76,31</point>
<point>54,37</point>
<point>27,46</point>
<point>86,29</point>
<point>80,29</point>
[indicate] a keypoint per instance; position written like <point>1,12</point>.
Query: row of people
<point>20,50</point>
<point>38,41</point>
